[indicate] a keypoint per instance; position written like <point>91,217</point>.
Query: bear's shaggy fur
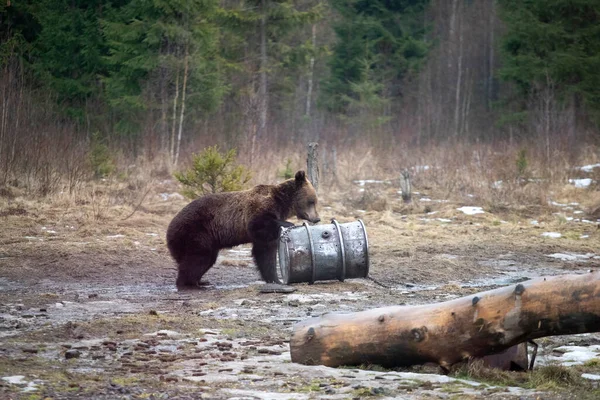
<point>216,221</point>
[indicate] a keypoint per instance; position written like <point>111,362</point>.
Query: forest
<point>89,87</point>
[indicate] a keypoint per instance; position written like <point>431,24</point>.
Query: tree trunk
<point>446,333</point>
<point>491,47</point>
<point>312,164</point>
<point>262,90</point>
<point>174,121</point>
<point>457,125</point>
<point>311,72</point>
<point>182,112</point>
<point>405,186</point>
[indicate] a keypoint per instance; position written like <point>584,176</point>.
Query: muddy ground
<point>88,307</point>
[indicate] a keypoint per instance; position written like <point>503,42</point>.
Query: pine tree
<point>553,45</point>
<point>385,35</point>
<point>65,48</point>
<point>163,55</point>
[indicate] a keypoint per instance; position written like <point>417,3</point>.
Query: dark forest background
<point>86,81</point>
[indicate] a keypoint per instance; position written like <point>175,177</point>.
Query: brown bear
<point>221,220</point>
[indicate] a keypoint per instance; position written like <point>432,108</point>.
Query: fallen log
<point>449,332</point>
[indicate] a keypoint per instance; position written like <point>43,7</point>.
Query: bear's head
<point>305,199</point>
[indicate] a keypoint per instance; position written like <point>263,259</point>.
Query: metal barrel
<point>323,252</point>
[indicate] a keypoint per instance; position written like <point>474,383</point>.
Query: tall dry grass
<point>501,177</point>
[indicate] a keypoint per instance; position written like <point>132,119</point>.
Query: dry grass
<point>556,378</point>
<point>142,195</point>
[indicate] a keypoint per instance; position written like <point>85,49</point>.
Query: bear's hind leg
<point>265,256</point>
<point>193,266</point>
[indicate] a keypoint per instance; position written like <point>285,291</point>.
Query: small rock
<point>92,295</point>
<point>72,354</point>
<point>30,350</point>
<point>276,288</point>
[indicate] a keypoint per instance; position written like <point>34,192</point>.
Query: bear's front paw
<point>287,224</point>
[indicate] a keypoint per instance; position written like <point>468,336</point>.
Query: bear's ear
<point>300,176</point>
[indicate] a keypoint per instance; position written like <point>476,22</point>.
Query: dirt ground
<point>88,306</point>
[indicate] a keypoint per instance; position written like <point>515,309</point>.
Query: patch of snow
<point>471,210</point>
<point>15,380</point>
<point>572,256</point>
<point>31,387</point>
<point>425,199</point>
<point>553,235</point>
<point>422,168</point>
<point>575,355</point>
<point>432,212</point>
<point>151,234</point>
<point>361,211</point>
<point>470,195</point>
<point>589,168</point>
<point>578,212</point>
<point>165,332</point>
<point>167,196</point>
<point>581,183</point>
<point>115,236</point>
<point>362,182</point>
<point>554,203</point>
<point>497,185</point>
<point>592,377</point>
<point>361,190</point>
<point>242,394</point>
<point>534,222</point>
<point>317,297</point>
<point>584,236</point>
<point>444,220</point>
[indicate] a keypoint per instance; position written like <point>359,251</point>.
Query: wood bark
<point>405,186</point>
<point>446,333</point>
